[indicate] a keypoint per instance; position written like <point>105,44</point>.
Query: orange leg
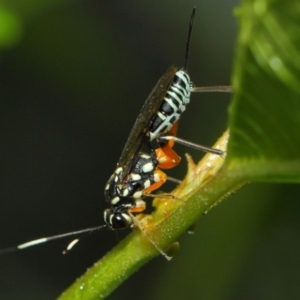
<point>167,158</point>
<point>140,206</point>
<point>162,178</point>
<point>165,155</point>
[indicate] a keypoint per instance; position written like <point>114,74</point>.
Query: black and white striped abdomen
<point>173,105</point>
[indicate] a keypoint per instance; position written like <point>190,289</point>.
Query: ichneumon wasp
<point>158,116</point>
<point>138,169</point>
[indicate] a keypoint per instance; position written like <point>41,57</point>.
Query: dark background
<point>71,89</point>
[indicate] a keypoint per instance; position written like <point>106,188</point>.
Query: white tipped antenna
<point>52,238</point>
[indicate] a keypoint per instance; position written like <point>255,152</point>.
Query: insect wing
<point>137,136</point>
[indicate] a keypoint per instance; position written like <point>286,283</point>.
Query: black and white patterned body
<point>124,194</point>
<point>127,184</point>
<point>137,173</point>
<point>173,105</point>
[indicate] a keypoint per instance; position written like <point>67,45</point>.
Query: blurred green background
<point>74,75</point>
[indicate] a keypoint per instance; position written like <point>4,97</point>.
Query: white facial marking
<point>127,218</point>
<point>111,219</point>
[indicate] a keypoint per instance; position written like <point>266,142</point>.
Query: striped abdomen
<point>173,105</point>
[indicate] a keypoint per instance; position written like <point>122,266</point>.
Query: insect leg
<point>138,224</point>
<point>191,145</point>
<point>166,156</point>
<point>160,178</point>
<point>215,89</point>
<point>139,206</point>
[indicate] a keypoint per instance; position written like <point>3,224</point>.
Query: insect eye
<point>117,220</point>
<point>121,221</point>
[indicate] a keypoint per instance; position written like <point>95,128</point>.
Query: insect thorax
<point>173,105</point>
<point>122,191</point>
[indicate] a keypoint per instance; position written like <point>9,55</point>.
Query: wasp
<point>138,171</point>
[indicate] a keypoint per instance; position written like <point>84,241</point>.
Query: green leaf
<point>265,113</point>
<point>263,145</point>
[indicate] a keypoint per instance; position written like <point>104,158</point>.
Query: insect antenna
<point>52,238</point>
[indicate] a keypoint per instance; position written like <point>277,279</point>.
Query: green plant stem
<point>167,223</point>
<point>205,186</point>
